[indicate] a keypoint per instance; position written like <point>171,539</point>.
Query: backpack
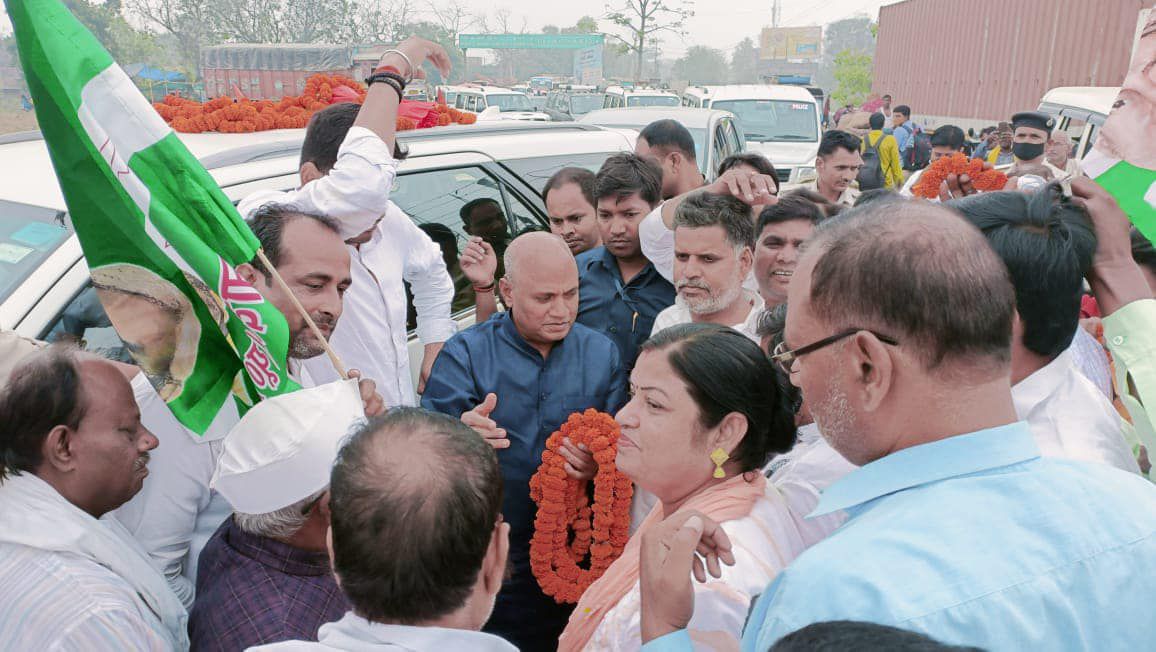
<point>918,155</point>
<point>871,174</point>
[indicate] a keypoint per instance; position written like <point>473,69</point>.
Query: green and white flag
<point>160,237</point>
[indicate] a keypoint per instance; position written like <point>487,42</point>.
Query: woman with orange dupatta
<point>706,413</point>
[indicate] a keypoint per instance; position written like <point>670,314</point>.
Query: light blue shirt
<point>976,540</point>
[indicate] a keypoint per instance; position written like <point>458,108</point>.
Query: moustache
<point>691,283</point>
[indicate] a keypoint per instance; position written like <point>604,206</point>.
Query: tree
<point>644,21</point>
<point>701,65</point>
<point>745,62</point>
<point>852,78</point>
<point>853,34</point>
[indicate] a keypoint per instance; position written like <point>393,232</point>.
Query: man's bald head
<point>531,250</point>
<point>918,272</point>
<point>415,497</point>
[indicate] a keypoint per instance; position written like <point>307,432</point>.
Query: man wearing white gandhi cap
<point>265,576</point>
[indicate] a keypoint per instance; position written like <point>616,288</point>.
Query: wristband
<point>484,288</point>
<point>388,79</point>
<point>394,69</point>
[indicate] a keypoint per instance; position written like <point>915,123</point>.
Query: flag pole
<point>284,287</point>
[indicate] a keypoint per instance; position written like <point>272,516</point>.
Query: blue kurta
<point>976,540</point>
<point>624,312</point>
<point>534,397</point>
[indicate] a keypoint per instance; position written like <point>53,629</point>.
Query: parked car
<point>510,105</point>
<point>717,134</point>
<point>572,103</point>
<point>784,123</point>
<point>446,168</point>
<point>617,97</point>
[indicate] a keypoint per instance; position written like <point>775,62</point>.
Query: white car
<point>500,103</point>
<point>617,97</point>
<point>43,291</point>
<point>1080,111</point>
<point>716,134</point>
<point>781,122</point>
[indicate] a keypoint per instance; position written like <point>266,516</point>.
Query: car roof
<point>640,116</point>
<point>1092,98</point>
<point>760,92</point>
<point>230,158</point>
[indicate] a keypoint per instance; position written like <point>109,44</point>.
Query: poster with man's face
<point>1123,158</point>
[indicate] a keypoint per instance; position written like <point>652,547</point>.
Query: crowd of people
<point>853,420</point>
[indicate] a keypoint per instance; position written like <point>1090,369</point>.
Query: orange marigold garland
<point>937,172</point>
<point>223,114</point>
<point>567,527</point>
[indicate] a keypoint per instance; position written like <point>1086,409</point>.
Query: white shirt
<point>356,634</point>
<point>371,335</point>
<point>54,601</point>
<point>802,473</point>
<point>1070,418</point>
<point>680,314</point>
<point>764,543</point>
<point>658,247</point>
<point>354,192</point>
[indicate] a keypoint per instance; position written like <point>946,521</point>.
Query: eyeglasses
<point>786,359</point>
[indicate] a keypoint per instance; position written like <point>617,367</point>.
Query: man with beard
<point>714,243</point>
<point>620,291</point>
<point>176,513</point>
<point>515,379</point>
<point>782,231</point>
<point>958,528</point>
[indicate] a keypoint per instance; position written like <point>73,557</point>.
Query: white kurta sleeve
<point>430,282</point>
<point>355,191</point>
<point>657,243</point>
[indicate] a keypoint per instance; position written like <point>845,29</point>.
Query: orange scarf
<point>722,502</point>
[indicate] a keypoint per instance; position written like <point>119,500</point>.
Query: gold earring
<point>718,456</point>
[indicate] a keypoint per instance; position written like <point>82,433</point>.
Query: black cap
<point>1035,120</point>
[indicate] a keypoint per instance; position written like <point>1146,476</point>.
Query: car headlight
<point>803,174</point>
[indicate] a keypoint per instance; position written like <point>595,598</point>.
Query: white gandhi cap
<point>283,449</point>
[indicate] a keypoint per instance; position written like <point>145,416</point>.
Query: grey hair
<point>280,524</point>
<point>704,209</point>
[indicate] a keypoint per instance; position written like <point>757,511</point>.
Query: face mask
<point>1028,151</point>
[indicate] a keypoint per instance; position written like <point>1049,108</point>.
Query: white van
<point>617,97</point>
<point>783,123</point>
<point>511,104</point>
<point>1080,111</point>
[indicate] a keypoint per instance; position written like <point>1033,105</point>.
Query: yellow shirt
<point>888,157</point>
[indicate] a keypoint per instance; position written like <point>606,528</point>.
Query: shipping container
<point>974,63</point>
<point>271,71</point>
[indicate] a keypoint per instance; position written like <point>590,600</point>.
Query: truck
<point>976,63</point>
<point>272,71</point>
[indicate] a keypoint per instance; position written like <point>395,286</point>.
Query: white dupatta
<point>34,514</point>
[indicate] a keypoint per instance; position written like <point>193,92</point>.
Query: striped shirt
<point>52,601</point>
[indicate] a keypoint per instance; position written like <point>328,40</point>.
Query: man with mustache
<point>621,292</point>
<point>714,243</point>
<point>72,449</point>
<point>782,230</point>
<point>515,379</point>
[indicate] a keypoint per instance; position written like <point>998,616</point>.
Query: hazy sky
<point>714,24</point>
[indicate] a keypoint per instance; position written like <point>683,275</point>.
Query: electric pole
<point>776,12</point>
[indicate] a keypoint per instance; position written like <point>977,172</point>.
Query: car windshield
<point>583,104</point>
<point>28,236</point>
<point>769,121</point>
<point>652,100</point>
<point>510,102</point>
<point>538,170</point>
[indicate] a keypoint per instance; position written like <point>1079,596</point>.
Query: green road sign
<point>528,41</point>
